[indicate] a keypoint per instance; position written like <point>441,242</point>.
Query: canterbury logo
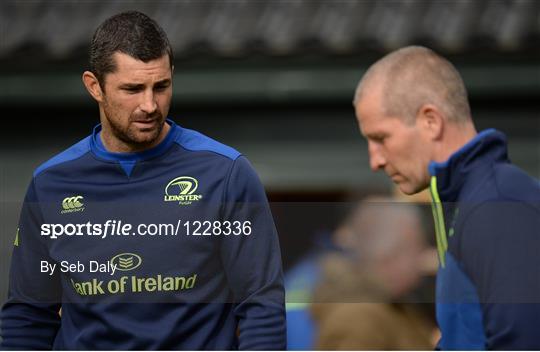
<point>72,204</point>
<point>182,190</point>
<point>126,261</point>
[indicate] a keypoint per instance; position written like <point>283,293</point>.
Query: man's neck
<point>456,136</point>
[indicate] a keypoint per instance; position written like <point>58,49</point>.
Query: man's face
<point>394,146</point>
<point>136,101</point>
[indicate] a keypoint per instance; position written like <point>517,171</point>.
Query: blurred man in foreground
<point>412,108</point>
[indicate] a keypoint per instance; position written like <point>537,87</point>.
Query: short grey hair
<point>413,76</point>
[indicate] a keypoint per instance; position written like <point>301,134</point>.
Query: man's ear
<point>92,85</point>
<point>431,120</point>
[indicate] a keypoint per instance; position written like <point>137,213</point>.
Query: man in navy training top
<point>145,234</point>
<point>412,108</point>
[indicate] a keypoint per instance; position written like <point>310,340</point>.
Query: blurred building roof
<point>60,29</point>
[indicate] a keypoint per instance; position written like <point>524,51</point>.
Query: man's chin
<point>142,139</point>
<point>409,189</point>
<point>145,139</point>
<point>406,188</point>
<point>146,135</point>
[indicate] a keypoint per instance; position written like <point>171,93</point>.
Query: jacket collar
<point>468,162</point>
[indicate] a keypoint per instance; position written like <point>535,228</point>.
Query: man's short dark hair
<point>132,33</point>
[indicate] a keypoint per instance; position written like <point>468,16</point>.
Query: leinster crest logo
<point>182,190</point>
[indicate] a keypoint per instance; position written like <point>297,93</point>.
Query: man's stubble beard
<point>127,134</point>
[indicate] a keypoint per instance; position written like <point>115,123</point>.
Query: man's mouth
<point>146,123</point>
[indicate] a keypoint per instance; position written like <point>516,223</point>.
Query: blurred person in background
<point>412,108</point>
<point>362,300</point>
<point>179,292</point>
<point>302,279</point>
<point>300,282</point>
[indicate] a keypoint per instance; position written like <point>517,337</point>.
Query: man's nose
<point>377,160</point>
<point>148,105</point>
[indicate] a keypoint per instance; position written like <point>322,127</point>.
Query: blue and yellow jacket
<point>198,267</point>
<point>487,217</point>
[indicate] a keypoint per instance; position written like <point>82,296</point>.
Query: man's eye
<point>132,90</point>
<point>161,88</point>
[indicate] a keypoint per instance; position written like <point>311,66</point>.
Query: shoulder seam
<point>229,152</point>
<point>44,167</point>
<point>36,173</point>
<point>209,151</point>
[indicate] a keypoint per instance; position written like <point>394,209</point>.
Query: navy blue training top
<point>171,248</point>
